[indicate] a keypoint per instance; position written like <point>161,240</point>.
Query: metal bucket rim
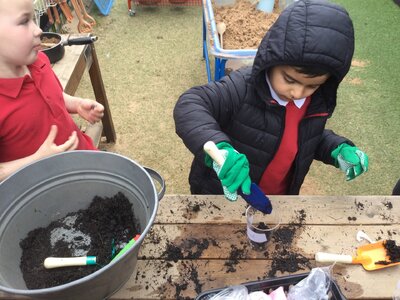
<point>60,288</point>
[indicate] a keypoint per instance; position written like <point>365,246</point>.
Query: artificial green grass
<point>148,60</point>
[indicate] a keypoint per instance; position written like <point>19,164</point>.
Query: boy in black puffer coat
<point>269,120</point>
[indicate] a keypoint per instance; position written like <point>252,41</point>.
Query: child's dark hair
<point>311,71</point>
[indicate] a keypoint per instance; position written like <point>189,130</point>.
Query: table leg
<point>101,97</point>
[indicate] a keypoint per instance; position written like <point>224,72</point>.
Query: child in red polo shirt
<point>269,119</point>
<point>35,119</point>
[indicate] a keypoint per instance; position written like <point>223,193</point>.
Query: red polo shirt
<point>28,107</point>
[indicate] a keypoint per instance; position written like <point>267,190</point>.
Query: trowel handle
<point>57,262</point>
<point>331,257</point>
<point>211,149</point>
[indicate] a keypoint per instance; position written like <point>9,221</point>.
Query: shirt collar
<point>11,87</point>
<point>299,102</point>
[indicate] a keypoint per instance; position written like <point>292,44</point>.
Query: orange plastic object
<point>370,255</point>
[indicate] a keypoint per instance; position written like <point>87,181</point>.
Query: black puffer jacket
<point>238,109</point>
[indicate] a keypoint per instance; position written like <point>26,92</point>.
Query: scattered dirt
<point>234,256</point>
<point>388,204</point>
<point>392,251</point>
<point>286,259</point>
<point>301,214</point>
<point>90,232</point>
<point>194,206</point>
<point>186,250</point>
<point>359,205</point>
<point>189,274</point>
<point>245,25</point>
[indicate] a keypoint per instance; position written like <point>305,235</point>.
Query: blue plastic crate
<point>104,6</point>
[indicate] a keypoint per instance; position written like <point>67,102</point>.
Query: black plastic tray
<point>274,283</point>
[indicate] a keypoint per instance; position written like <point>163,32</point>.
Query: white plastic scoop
<point>361,235</point>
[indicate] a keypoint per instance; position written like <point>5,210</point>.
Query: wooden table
<point>206,230</point>
<point>70,70</point>
<point>218,227</point>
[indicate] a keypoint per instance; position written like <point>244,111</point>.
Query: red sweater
<point>275,179</point>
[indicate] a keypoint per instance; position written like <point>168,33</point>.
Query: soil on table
<point>90,232</point>
<point>392,252</point>
<point>286,258</point>
<point>245,24</point>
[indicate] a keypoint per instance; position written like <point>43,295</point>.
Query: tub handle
<point>157,177</point>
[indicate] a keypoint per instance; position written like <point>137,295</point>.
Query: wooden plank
<point>6,296</point>
<point>101,97</point>
<point>159,279</point>
<point>70,70</point>
<point>208,241</point>
<point>94,131</point>
<point>341,210</point>
<point>65,67</point>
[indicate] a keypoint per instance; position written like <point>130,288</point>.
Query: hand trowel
<point>256,198</point>
<point>373,256</point>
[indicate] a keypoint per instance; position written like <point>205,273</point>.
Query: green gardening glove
<point>234,173</point>
<point>351,160</point>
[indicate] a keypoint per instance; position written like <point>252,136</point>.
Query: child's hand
<point>90,110</point>
<point>49,147</point>
<point>350,160</point>
<point>234,172</point>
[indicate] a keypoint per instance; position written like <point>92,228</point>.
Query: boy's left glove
<point>351,160</point>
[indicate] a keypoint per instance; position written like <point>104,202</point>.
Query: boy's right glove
<point>351,160</point>
<point>234,173</point>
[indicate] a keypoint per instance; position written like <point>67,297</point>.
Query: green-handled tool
<point>127,246</point>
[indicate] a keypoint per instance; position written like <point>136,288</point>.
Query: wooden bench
<point>70,70</point>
